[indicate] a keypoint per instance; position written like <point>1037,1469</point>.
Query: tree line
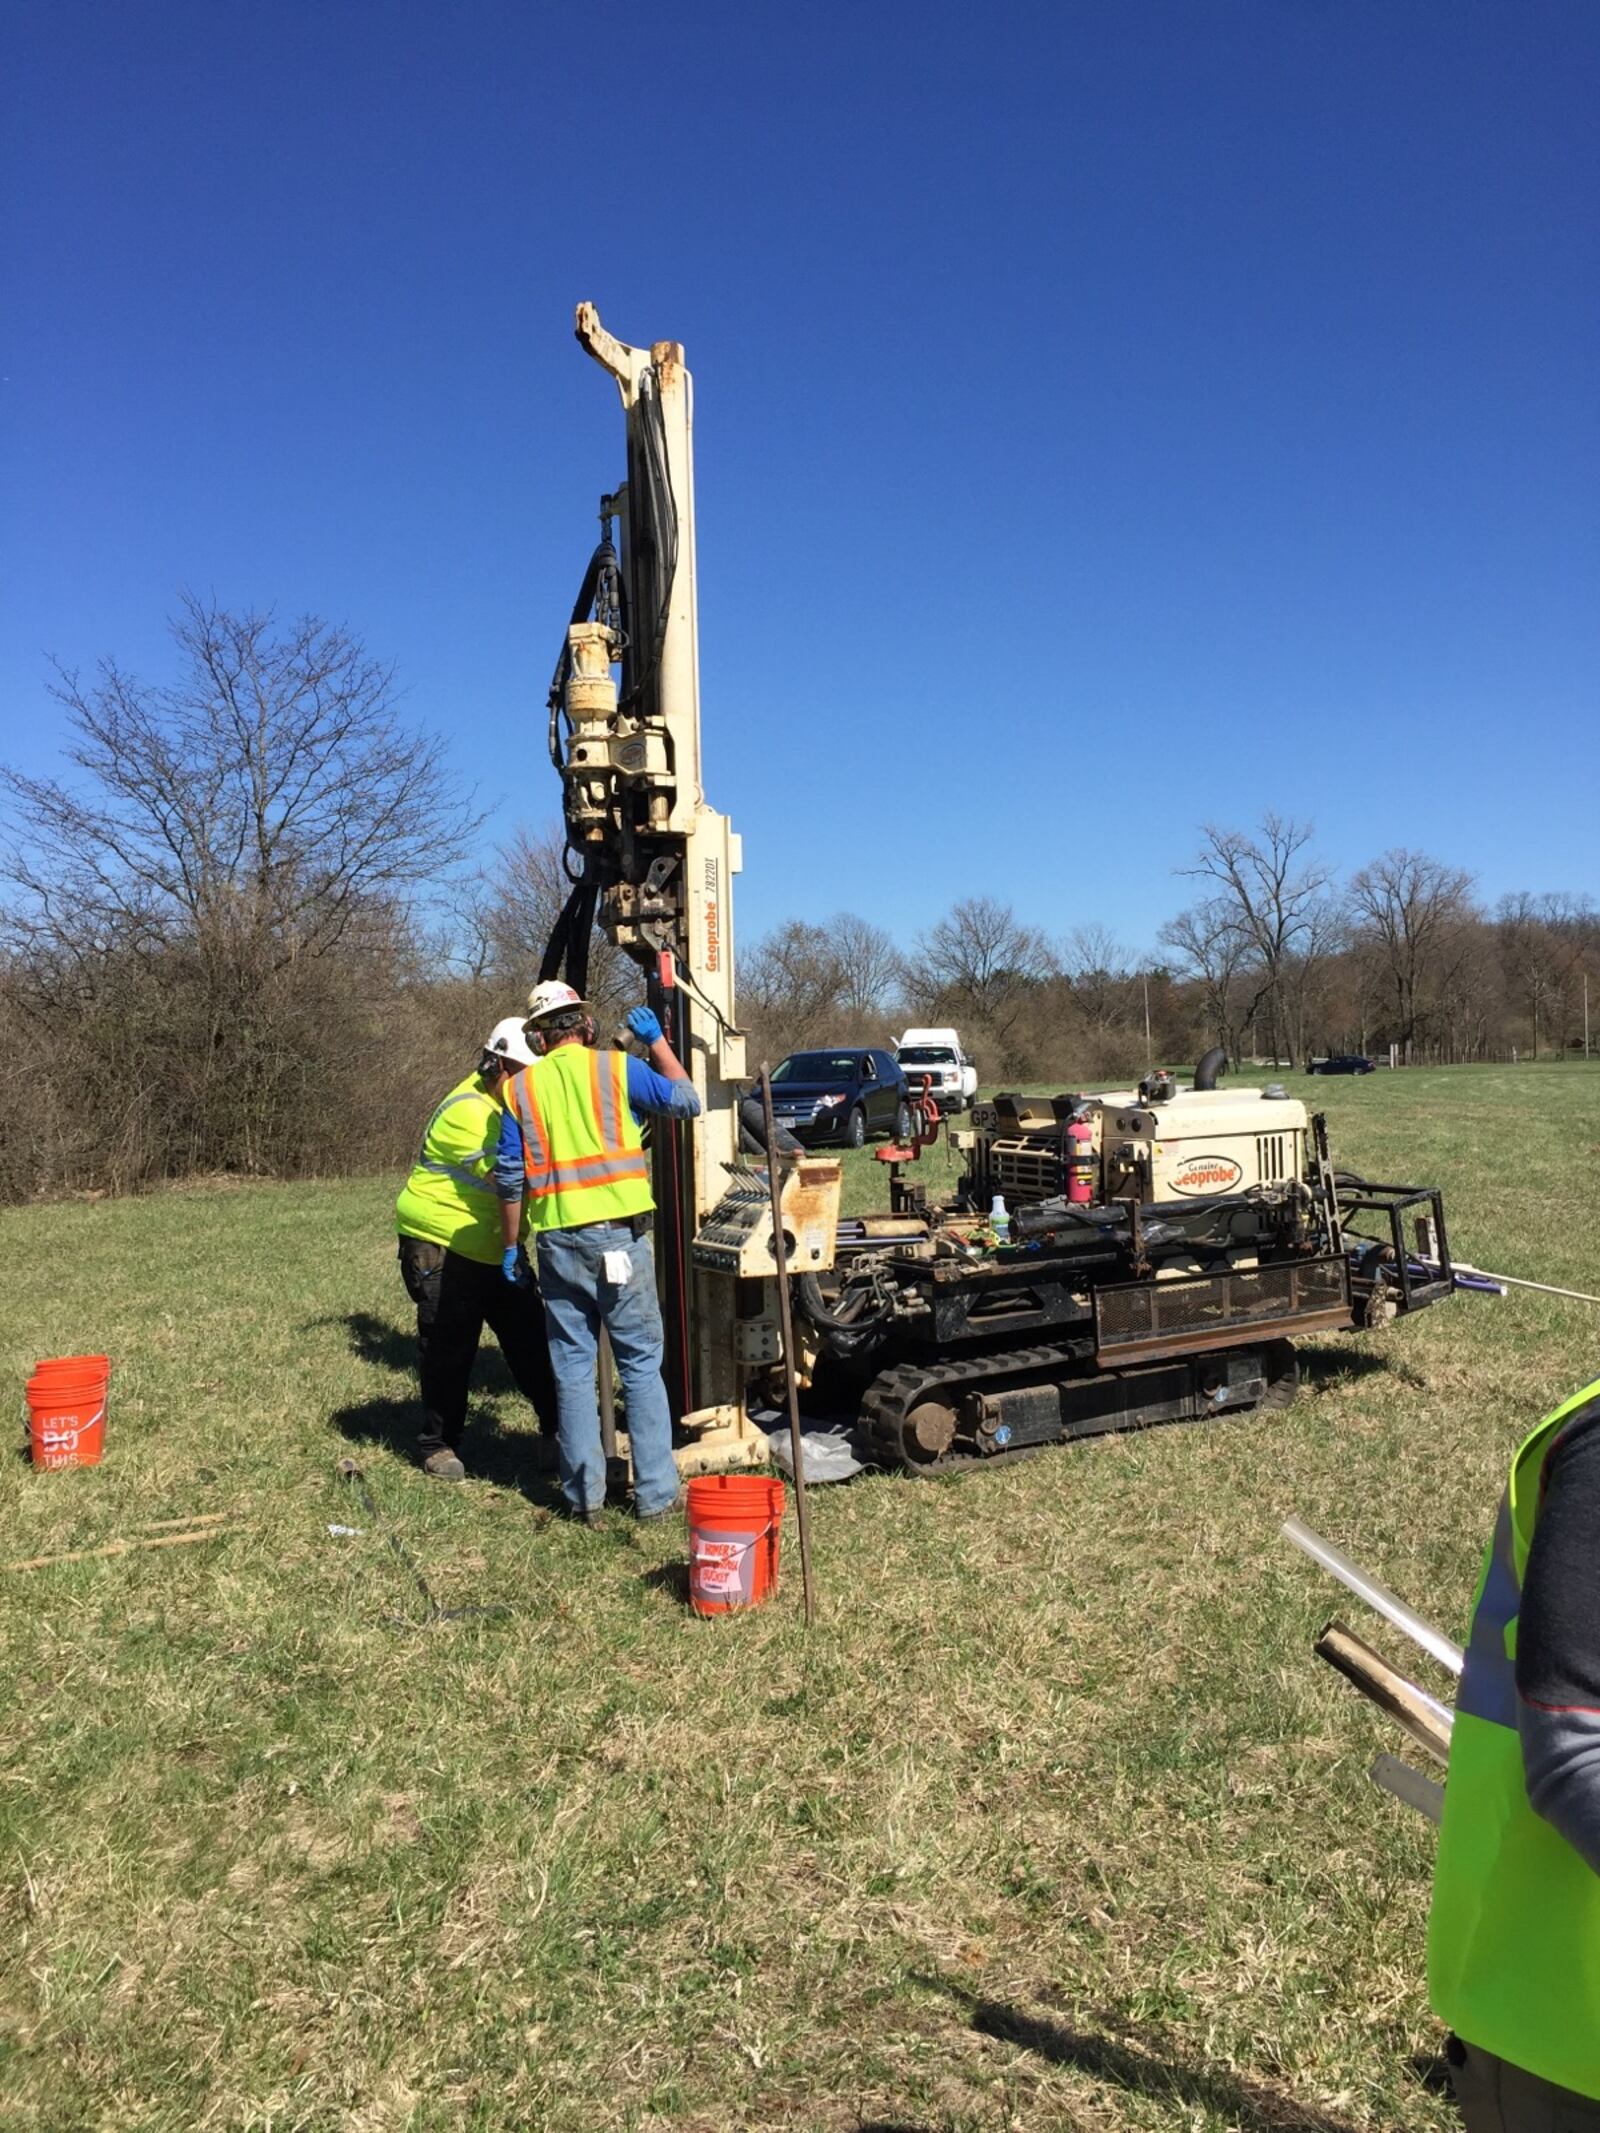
<point>242,935</point>
<point>1274,957</point>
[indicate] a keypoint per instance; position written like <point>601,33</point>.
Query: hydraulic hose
<point>817,1309</point>
<point>754,1126</point>
<point>1212,1064</point>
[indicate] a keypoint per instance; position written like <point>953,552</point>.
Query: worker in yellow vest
<point>448,1216</point>
<point>571,1157</point>
<point>1514,1939</point>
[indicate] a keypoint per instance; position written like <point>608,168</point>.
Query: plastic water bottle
<point>999,1220</point>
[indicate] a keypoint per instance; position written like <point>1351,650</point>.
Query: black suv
<point>841,1095</point>
<point>1340,1063</point>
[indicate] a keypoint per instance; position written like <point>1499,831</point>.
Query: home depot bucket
<point>72,1366</point>
<point>67,1411</point>
<point>734,1527</point>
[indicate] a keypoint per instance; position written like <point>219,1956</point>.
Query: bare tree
<point>795,972</point>
<point>269,791</point>
<point>869,963</point>
<point>983,961</point>
<point>1410,904</point>
<point>1211,947</point>
<point>1272,892</point>
<point>216,889</point>
<point>1102,975</point>
<point>1532,961</point>
<point>507,922</point>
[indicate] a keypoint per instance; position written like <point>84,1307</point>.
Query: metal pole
<point>1144,980</point>
<point>1542,1288</point>
<point>1409,1786</point>
<point>1378,1597</point>
<point>608,1398</point>
<point>780,1254</point>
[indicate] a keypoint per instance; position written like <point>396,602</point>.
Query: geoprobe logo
<point>1206,1173</point>
<point>713,917</point>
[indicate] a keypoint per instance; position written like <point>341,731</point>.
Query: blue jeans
<point>577,1299</point>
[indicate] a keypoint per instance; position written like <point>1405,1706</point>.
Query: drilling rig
<point>1168,1243</point>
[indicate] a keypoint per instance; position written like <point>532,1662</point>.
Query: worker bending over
<point>1514,1940</point>
<point>450,1257</point>
<point>571,1152</point>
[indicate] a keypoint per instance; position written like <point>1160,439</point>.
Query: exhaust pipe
<point>1215,1062</point>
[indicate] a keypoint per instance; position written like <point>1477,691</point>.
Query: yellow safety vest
<point>449,1198</point>
<point>582,1153</point>
<point>1514,1938</point>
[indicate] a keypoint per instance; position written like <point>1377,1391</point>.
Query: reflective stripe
<point>524,1108</point>
<point>474,1180</point>
<point>591,1170</point>
<point>1489,1676</point>
<point>449,1198</point>
<point>583,1159</point>
<point>604,1076</point>
<point>461,1096</point>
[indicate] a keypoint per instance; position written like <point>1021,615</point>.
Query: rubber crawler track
<point>892,1395</point>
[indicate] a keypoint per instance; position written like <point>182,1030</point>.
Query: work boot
<point>440,1460</point>
<point>667,1510</point>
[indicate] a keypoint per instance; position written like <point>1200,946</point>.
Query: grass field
<point>1053,1821</point>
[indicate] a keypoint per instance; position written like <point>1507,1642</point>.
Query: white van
<point>937,1055</point>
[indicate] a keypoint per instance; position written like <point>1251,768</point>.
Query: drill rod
<point>780,1255</point>
<point>1378,1597</point>
<point>1424,1717</point>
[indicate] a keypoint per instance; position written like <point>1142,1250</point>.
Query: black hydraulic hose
<point>1050,1215</point>
<point>1160,1220</point>
<point>652,538</point>
<point>1212,1064</point>
<point>567,950</point>
<point>754,1127</point>
<point>816,1308</point>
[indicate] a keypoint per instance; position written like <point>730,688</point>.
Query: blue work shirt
<point>649,1095</point>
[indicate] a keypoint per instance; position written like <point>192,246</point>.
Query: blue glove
<point>510,1265</point>
<point>645,1025</point>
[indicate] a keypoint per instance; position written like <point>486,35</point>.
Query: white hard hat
<point>551,997</point>
<point>507,1039</point>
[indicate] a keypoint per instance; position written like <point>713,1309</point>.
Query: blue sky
<point>1109,417</point>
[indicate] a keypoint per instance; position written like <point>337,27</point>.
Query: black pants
<point>1497,2097</point>
<point>454,1297</point>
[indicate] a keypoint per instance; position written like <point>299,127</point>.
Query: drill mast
<point>654,863</point>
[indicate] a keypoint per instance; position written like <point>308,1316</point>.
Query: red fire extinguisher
<point>1082,1166</point>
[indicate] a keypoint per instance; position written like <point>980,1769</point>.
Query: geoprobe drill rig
<point>1167,1243</point>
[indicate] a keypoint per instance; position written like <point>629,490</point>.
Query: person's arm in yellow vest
<point>508,1181</point>
<point>1558,1640</point>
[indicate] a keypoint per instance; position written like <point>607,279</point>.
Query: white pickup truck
<point>937,1054</point>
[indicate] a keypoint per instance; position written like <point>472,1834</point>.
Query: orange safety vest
<point>582,1153</point>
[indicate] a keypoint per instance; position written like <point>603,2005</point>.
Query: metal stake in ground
<point>780,1255</point>
<point>348,1471</point>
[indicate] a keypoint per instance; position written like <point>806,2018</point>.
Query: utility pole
<point>1149,1056</point>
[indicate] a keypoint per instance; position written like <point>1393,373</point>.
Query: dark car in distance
<point>1340,1063</point>
<point>847,1093</point>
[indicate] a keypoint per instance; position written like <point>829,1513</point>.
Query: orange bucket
<point>67,1410</point>
<point>734,1526</point>
<point>72,1366</point>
